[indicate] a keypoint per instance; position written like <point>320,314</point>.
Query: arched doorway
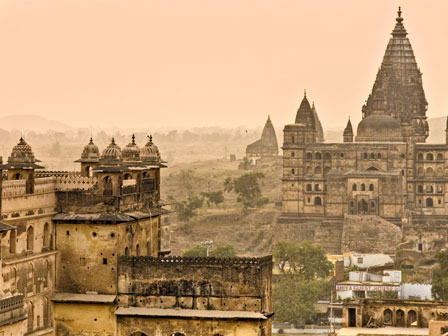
<point>107,190</point>
<point>412,318</point>
<point>388,317</point>
<point>399,319</point>
<point>363,207</point>
<point>138,333</point>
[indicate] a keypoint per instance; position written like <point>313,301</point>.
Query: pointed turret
<point>318,125</point>
<point>446,131</point>
<point>398,90</point>
<point>266,146</point>
<point>348,132</point>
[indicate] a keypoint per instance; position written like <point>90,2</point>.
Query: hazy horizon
<point>171,64</point>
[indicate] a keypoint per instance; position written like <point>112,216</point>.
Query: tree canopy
<point>440,277</point>
<point>247,188</point>
<point>186,209</point>
<point>220,251</point>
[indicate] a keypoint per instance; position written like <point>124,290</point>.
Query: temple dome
<point>150,152</point>
<point>22,153</point>
<point>379,128</point>
<point>112,153</point>
<point>131,152</point>
<point>90,153</point>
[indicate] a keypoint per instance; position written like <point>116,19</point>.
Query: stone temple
<point>265,149</point>
<point>380,188</point>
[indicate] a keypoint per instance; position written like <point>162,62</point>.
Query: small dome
<point>22,153</point>
<point>112,153</point>
<point>131,152</point>
<point>379,128</point>
<point>90,152</point>
<point>150,153</point>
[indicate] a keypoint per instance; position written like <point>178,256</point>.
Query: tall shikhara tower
<point>398,89</point>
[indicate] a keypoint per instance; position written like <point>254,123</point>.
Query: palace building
<point>80,255</point>
<point>380,187</point>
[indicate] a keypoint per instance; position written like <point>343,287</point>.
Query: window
<point>360,260</point>
<point>420,171</point>
<point>309,156</point>
<point>126,251</point>
<point>429,189</point>
<point>342,155</point>
<point>429,202</point>
<point>420,189</point>
<point>420,157</point>
<point>429,157</point>
<point>317,170</point>
<point>293,171</point>
<point>107,186</point>
<point>327,170</point>
<point>439,156</point>
<point>293,154</point>
<point>104,261</point>
<point>387,316</point>
<point>372,156</point>
<point>317,201</point>
<point>137,250</point>
<point>365,156</point>
<point>371,187</point>
<point>46,235</point>
<point>308,170</point>
<point>30,238</point>
<point>308,187</point>
<point>318,156</point>
<point>363,187</point>
<point>292,139</point>
<point>316,187</point>
<point>327,156</point>
<point>354,187</point>
<point>12,241</point>
<point>378,156</point>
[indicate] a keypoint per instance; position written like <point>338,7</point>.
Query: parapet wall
<point>74,182</point>
<point>196,283</point>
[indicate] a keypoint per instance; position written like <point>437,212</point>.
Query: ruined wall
<point>84,319</point>
<point>370,234</point>
<point>196,283</point>
<point>169,326</point>
<point>87,248</point>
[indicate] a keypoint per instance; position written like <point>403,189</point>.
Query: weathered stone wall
<point>196,283</point>
<point>370,234</point>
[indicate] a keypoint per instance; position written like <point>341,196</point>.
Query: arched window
<point>316,187</point>
<point>137,250</point>
<point>309,156</point>
<point>439,189</point>
<point>327,170</point>
<point>429,157</point>
<point>412,318</point>
<point>327,156</point>
<point>148,249</point>
<point>12,241</point>
<point>30,316</point>
<point>378,156</point>
<point>309,170</point>
<point>439,171</point>
<point>387,316</point>
<point>309,187</point>
<point>317,201</point>
<point>88,171</point>
<point>126,252</point>
<point>177,334</point>
<point>107,186</point>
<point>46,242</point>
<point>429,202</point>
<point>420,189</point>
<point>429,171</point>
<point>372,156</point>
<point>365,156</point>
<point>440,156</point>
<point>429,189</point>
<point>318,156</point>
<point>420,157</point>
<point>317,170</point>
<point>30,238</point>
<point>18,176</point>
<point>292,139</point>
<point>420,171</point>
<point>354,188</point>
<point>363,187</point>
<point>138,333</point>
<point>371,187</point>
<point>127,176</point>
<point>372,205</point>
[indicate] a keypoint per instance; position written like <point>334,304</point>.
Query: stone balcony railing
<point>11,303</point>
<point>13,188</point>
<point>74,182</point>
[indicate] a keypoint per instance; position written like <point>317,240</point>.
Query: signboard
<point>367,288</point>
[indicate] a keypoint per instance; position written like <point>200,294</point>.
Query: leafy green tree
<point>440,277</point>
<point>197,251</point>
<point>215,197</point>
<point>223,251</point>
<point>306,260</point>
<point>247,187</point>
<point>186,209</point>
<point>304,279</point>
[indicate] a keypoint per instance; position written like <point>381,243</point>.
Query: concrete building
<point>81,255</point>
<point>378,188</point>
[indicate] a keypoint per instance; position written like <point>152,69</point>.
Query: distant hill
<point>32,122</point>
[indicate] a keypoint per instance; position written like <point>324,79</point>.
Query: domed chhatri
<point>90,153</point>
<point>112,154</point>
<point>379,128</point>
<point>22,153</point>
<point>131,152</point>
<point>150,153</point>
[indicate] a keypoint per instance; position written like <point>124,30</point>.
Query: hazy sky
<point>168,63</point>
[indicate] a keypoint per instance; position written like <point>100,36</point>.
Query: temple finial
<point>399,11</point>
<point>91,140</point>
<point>133,139</point>
<point>113,140</point>
<point>304,93</point>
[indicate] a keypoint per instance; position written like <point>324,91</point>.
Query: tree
<point>213,197</point>
<point>186,209</point>
<point>197,251</point>
<point>247,188</point>
<point>307,261</point>
<point>440,277</point>
<point>304,279</point>
<point>223,251</point>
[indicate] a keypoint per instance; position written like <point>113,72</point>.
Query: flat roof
<point>83,298</point>
<point>383,331</point>
<point>189,313</point>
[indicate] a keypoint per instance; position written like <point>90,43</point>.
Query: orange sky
<point>154,64</point>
